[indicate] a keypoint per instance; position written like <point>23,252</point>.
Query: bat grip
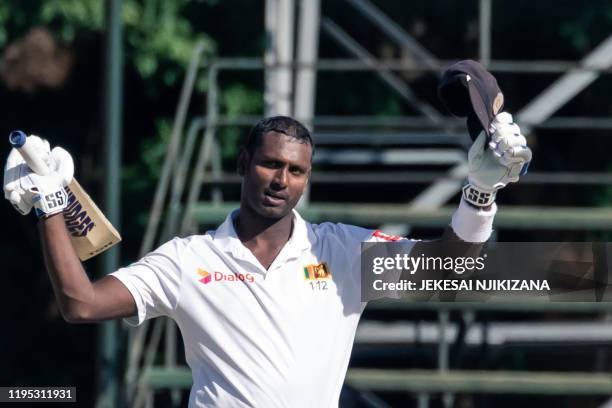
<point>24,146</point>
<point>17,138</point>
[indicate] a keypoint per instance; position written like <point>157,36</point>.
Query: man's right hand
<point>79,299</point>
<point>25,189</point>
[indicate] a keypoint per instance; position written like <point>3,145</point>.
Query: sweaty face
<point>275,175</point>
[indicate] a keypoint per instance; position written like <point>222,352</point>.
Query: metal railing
<point>143,377</point>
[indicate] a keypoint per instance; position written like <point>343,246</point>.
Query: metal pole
<point>271,58</point>
<point>442,340</point>
<point>423,400</point>
<point>396,33</point>
<point>443,357</point>
<point>284,41</point>
<point>567,86</point>
<point>172,150</point>
<point>386,75</point>
<point>306,73</point>
<point>212,113</point>
<point>485,32</point>
<point>113,81</point>
<point>308,47</point>
<point>170,359</point>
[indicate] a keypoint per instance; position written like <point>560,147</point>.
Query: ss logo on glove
<point>50,203</point>
<point>55,199</point>
<point>476,197</point>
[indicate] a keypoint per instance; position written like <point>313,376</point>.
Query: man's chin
<point>274,212</point>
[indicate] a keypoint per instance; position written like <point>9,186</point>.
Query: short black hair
<point>280,124</point>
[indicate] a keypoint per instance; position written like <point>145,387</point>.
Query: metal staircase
<point>422,157</point>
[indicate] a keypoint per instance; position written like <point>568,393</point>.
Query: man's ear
<point>243,161</point>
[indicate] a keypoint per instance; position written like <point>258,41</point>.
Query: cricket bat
<point>91,233</point>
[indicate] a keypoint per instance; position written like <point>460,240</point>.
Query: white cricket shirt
<point>257,338</point>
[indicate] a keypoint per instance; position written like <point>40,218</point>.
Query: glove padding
<point>493,166</point>
<point>25,189</point>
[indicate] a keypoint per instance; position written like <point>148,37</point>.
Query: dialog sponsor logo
<point>208,277</point>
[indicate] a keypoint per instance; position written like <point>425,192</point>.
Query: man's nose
<point>280,178</point>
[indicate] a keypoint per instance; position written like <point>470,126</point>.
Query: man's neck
<point>255,231</point>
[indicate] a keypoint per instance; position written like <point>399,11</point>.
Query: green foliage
<point>161,40</point>
<point>142,175</point>
<point>590,26</point>
<point>387,107</point>
<point>5,14</point>
<point>237,100</point>
<point>154,149</point>
<point>159,37</point>
<point>67,17</point>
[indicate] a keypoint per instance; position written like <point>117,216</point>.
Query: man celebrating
<point>268,303</point>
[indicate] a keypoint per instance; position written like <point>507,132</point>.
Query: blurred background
<point>153,97</point>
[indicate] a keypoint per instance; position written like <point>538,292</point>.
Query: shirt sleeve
<point>377,236</point>
<point>349,238</point>
<point>154,282</point>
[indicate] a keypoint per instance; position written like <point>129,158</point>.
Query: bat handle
<point>17,138</point>
<point>22,143</point>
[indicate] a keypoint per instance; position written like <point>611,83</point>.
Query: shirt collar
<point>226,238</point>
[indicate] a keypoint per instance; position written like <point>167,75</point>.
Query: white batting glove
<point>493,166</point>
<point>25,189</point>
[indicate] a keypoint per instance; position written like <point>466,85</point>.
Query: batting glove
<point>25,189</point>
<point>492,166</point>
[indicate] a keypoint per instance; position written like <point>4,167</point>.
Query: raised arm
<point>79,299</point>
<point>474,224</point>
<point>492,165</point>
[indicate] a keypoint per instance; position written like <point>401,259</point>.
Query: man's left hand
<point>492,166</point>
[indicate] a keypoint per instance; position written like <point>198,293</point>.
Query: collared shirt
<point>280,337</point>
